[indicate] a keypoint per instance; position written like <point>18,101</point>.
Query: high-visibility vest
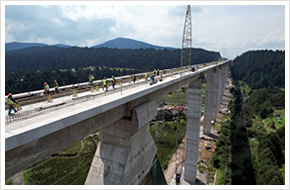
<point>56,85</point>
<point>9,101</point>
<point>146,75</point>
<point>105,81</point>
<point>114,81</point>
<point>46,87</point>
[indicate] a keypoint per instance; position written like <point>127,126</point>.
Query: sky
<point>228,29</point>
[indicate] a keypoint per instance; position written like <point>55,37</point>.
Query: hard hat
<point>9,94</point>
<point>113,76</point>
<point>54,80</point>
<point>45,83</point>
<point>104,77</point>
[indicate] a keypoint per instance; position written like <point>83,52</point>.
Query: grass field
<point>268,122</point>
<point>176,97</point>
<point>167,137</point>
<point>69,166</point>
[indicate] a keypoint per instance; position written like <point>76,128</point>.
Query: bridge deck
<point>37,122</point>
<point>45,121</point>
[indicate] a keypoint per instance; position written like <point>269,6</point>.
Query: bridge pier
<point>211,99</point>
<point>223,80</point>
<point>216,81</point>
<point>193,129</point>
<point>126,150</point>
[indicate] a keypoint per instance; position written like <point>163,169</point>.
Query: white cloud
<point>88,12</point>
<point>57,21</point>
<point>32,37</point>
<point>230,29</point>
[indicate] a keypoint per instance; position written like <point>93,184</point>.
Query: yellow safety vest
<point>9,101</point>
<point>105,82</point>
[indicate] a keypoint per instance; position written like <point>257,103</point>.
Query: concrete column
<point>223,80</point>
<point>193,130</point>
<point>211,100</point>
<point>221,88</point>
<point>126,151</point>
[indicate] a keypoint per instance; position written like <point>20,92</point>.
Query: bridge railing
<point>99,83</point>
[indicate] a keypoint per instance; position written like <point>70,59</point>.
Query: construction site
<point>118,121</point>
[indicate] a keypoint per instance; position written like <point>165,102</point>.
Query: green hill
<point>260,69</point>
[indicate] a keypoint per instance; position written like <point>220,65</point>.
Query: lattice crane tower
<point>186,39</point>
<point>185,61</point>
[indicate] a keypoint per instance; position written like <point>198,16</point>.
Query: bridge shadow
<point>197,182</point>
<point>241,165</point>
<point>212,136</point>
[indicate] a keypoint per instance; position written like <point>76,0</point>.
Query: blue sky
<point>229,29</point>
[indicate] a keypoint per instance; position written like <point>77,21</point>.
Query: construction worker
<point>105,84</point>
<point>113,81</point>
<point>46,88</point>
<point>154,71</point>
<point>91,78</point>
<point>146,76</point>
<point>164,71</point>
<point>161,77</point>
<point>157,72</point>
<point>11,102</point>
<point>134,79</point>
<point>153,81</point>
<point>56,86</point>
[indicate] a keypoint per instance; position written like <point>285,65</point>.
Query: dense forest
<point>264,72</point>
<point>251,147</point>
<point>248,153</point>
<point>260,69</point>
<point>27,69</point>
<point>67,58</point>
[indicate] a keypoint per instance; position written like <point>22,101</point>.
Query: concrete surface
<point>211,99</point>
<point>193,129</point>
<point>32,139</point>
<point>122,157</point>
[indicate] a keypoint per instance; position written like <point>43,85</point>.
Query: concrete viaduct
<point>126,149</point>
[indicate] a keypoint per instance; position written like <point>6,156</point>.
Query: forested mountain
<point>67,58</point>
<point>120,43</point>
<point>19,45</point>
<point>126,43</point>
<point>73,65</point>
<point>260,69</point>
